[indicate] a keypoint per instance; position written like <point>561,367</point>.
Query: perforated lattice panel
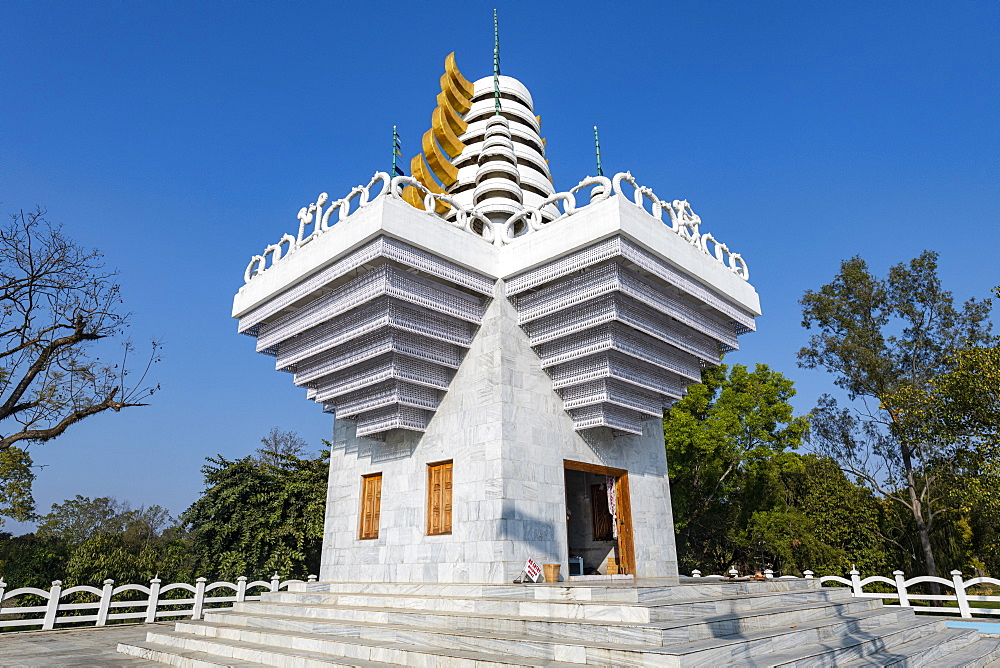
<point>383,312</point>
<point>622,333</point>
<point>381,281</point>
<point>372,345</point>
<point>382,247</point>
<point>385,394</point>
<point>392,417</point>
<point>627,311</point>
<point>615,336</point>
<point>377,335</point>
<point>387,367</point>
<point>620,247</point>
<point>608,415</point>
<point>612,392</point>
<point>612,365</point>
<point>609,278</point>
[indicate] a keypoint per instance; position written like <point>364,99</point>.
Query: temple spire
<point>597,150</point>
<point>496,62</point>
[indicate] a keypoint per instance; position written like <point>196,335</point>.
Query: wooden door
<point>623,518</point>
<point>626,554</point>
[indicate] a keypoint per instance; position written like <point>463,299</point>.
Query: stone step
<point>645,612</point>
<point>654,634</point>
<point>187,658</point>
<point>811,644</point>
<point>307,650</point>
<point>954,647</point>
<point>867,650</point>
<point>539,647</point>
<point>619,591</point>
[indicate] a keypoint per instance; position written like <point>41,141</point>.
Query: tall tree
<point>57,301</point>
<point>886,340</point>
<point>279,444</point>
<point>260,514</point>
<point>724,431</point>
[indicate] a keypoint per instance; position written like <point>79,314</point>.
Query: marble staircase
<point>620,623</point>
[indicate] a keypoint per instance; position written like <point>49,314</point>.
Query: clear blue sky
<point>180,138</point>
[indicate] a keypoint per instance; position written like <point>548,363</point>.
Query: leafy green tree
<point>725,429</point>
<point>260,514</point>
<point>31,560</point>
<point>16,476</point>
<point>85,541</point>
<point>887,341</point>
<point>742,495</point>
<point>818,520</point>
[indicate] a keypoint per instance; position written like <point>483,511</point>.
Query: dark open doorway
<point>598,520</point>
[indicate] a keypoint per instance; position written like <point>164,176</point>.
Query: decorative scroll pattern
<point>684,223</point>
<point>315,220</point>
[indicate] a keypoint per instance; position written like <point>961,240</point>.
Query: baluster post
<point>733,573</point>
<point>696,573</point>
<point>199,598</point>
<point>53,606</point>
<point>241,589</point>
<point>311,578</point>
<point>154,600</point>
<point>768,573</point>
<point>275,582</point>
<point>904,600</point>
<point>961,594</point>
<point>3,590</point>
<point>807,574</point>
<point>855,582</point>
<point>102,611</point>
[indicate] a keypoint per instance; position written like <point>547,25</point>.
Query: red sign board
<point>532,570</point>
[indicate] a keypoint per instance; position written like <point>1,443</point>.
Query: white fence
<point>154,606</point>
<point>903,596</point>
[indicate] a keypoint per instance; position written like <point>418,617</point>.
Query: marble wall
<point>506,431</point>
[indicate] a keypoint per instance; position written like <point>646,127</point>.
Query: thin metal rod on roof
<point>496,63</point>
<point>397,151</point>
<point>597,149</point>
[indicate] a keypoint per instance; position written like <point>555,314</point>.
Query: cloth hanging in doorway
<point>612,504</point>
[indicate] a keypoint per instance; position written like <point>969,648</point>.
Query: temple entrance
<point>598,520</point>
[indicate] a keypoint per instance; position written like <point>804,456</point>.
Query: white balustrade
<point>903,595</point>
<point>147,609</point>
<point>314,220</point>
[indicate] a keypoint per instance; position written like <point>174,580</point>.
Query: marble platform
<point>648,623</point>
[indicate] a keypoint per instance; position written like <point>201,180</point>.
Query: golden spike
<point>538,119</point>
<point>446,137</point>
<point>458,125</point>
<point>420,171</point>
<point>463,84</point>
<point>440,165</point>
<point>412,197</point>
<point>456,100</point>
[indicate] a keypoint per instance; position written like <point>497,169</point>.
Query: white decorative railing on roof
<point>314,219</point>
